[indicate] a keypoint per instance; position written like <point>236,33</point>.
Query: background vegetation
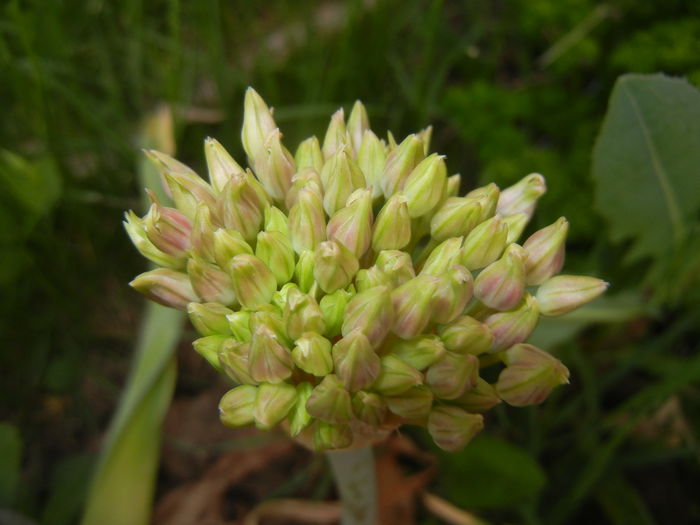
<point>510,87</point>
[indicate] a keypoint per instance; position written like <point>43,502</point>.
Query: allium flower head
<point>347,289</point>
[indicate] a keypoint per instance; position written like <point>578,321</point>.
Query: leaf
<point>67,493</point>
<point>646,162</point>
<point>10,461</point>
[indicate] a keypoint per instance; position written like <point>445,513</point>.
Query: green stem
<point>356,483</point>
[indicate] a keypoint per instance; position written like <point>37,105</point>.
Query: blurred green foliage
<point>510,87</point>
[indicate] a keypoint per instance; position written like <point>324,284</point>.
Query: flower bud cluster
<point>346,288</point>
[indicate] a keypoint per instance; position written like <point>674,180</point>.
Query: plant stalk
<point>355,479</point>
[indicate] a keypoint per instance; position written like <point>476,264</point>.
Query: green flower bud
<point>370,277</point>
<point>333,309</point>
<point>273,403</point>
<point>484,244</point>
<point>466,335</point>
<point>275,251</point>
<point>455,218</point>
<point>305,179</point>
<point>220,163</point>
<point>336,137</point>
<point>166,287</point>
<point>481,398</point>
<point>304,271</point>
<point>308,155</point>
<point>236,407</point>
<point>270,316</point>
<point>202,235</point>
<point>529,376</point>
<point>210,283</point>
<point>563,293</point>
<point>425,185</point>
<point>358,124</point>
<point>453,294</point>
<point>257,125</point>
<point>209,318</point>
<point>269,360</point>
<point>334,266</point>
<point>443,258</point>
<point>516,224</point>
<point>514,326</point>
<point>234,359</point>
<point>453,184</point>
<point>276,221</point>
<point>240,208</point>
<point>228,244</point>
<point>372,313</point>
<point>400,163</point>
<point>392,230</point>
<point>371,158</point>
<point>454,374</point>
<point>501,284</point>
<point>415,403</point>
<point>302,314</point>
<point>396,377</point>
<point>188,190</point>
<point>340,177</point>
<point>276,167</point>
<point>168,230</point>
<point>419,352</point>
<point>331,436</point>
<point>307,222</point>
<point>164,163</point>
<point>369,408</point>
<point>397,265</point>
<point>545,252</point>
<point>352,225</point>
<point>299,418</point>
<point>253,282</point>
<point>239,324</point>
<point>208,347</point>
<point>355,362</point>
<point>425,135</point>
<point>312,353</point>
<point>330,401</point>
<point>413,302</point>
<point>137,233</point>
<point>452,428</point>
<point>522,196</point>
<point>487,197</point>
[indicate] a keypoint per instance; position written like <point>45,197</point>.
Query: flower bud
<point>516,224</point>
<point>453,294</point>
<point>239,324</point>
<point>273,403</point>
<point>164,163</point>
<point>257,125</point>
<point>276,221</point>
<point>334,266</point>
<point>358,124</point>
<point>136,229</point>
<point>397,265</point>
<point>166,287</point>
<point>355,362</point>
<point>529,376</point>
<point>302,314</point>
<point>210,283</point>
<point>352,225</point>
<point>369,408</point>
<point>522,196</point>
<point>396,377</point>
<point>220,163</point>
<point>425,135</point>
<point>330,401</point>
<point>443,258</point>
<point>413,303</point>
<point>466,335</point>
<point>253,282</point>
<point>269,360</point>
<point>370,277</point>
<point>340,177</point>
<point>188,190</point>
<point>481,398</point>
<point>208,347</point>
<point>487,197</point>
<point>304,271</point>
<point>452,428</point>
<point>233,358</point>
<point>299,418</point>
<point>240,208</point>
<point>168,230</point>
<point>271,317</point>
<point>305,179</point>
<point>545,252</point>
<point>454,374</point>
<point>308,155</point>
<point>392,230</point>
<point>425,185</point>
<point>333,308</point>
<point>456,217</point>
<point>400,163</point>
<point>372,313</point>
<point>228,244</point>
<point>484,244</point>
<point>336,137</point>
<point>453,184</point>
<point>371,158</point>
<point>419,352</point>
<point>564,293</point>
<point>276,167</point>
<point>275,251</point>
<point>501,284</point>
<point>202,234</point>
<point>307,222</point>
<point>513,326</point>
<point>312,353</point>
<point>331,436</point>
<point>209,318</point>
<point>414,403</point>
<point>236,406</point>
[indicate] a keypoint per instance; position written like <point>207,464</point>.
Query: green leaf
<point>646,162</point>
<point>10,462</point>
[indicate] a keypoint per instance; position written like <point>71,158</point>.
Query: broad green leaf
<point>646,162</point>
<point>10,462</point>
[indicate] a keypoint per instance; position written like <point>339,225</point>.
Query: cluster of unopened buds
<point>347,289</point>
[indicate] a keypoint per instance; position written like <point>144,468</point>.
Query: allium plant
<point>347,289</point>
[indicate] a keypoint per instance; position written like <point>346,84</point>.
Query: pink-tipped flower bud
<point>413,404</point>
<point>236,407</point>
<point>304,271</point>
<point>308,179</point>
<point>257,125</point>
<point>168,230</point>
<point>220,163</point>
<point>425,185</point>
<point>276,167</point>
<point>334,266</point>
<point>487,197</point>
<point>312,353</point>
<point>392,230</point>
<point>564,293</point>
<point>336,134</point>
<point>484,244</point>
<point>371,158</point>
<point>455,218</point>
<point>443,257</point>
<point>355,362</point>
<point>413,303</point>
<point>419,352</point>
<point>209,318</point>
<point>309,156</point>
<point>275,250</point>
<point>307,221</point>
<point>529,376</point>
<point>369,408</point>
<point>330,401</point>
<point>453,294</point>
<point>397,265</point>
<point>481,398</point>
<point>233,358</point>
<point>513,326</point>
<point>299,417</point>
<point>352,225</point>
<point>228,244</point>
<point>466,335</point>
<point>302,314</point>
<point>136,229</point>
<point>370,277</point>
<point>454,374</point>
<point>272,404</point>
<point>210,283</point>
<point>372,313</point>
<point>452,428</point>
<point>545,252</point>
<point>333,308</point>
<point>269,360</point>
<point>240,208</point>
<point>501,284</point>
<point>239,324</point>
<point>202,235</point>
<point>340,177</point>
<point>253,282</point>
<point>188,190</point>
<point>166,287</point>
<point>396,376</point>
<point>400,163</point>
<point>522,196</point>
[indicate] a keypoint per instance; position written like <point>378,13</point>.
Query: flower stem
<point>355,480</point>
